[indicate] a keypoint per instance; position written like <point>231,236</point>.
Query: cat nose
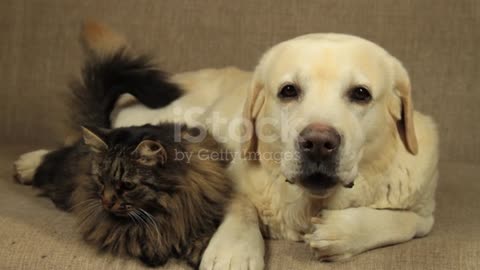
<point>108,202</point>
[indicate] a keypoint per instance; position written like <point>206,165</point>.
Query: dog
<point>330,149</point>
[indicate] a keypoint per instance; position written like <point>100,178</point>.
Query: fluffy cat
<point>132,195</point>
<point>132,189</point>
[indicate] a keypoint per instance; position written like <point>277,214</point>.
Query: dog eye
<point>360,94</point>
<point>288,91</point>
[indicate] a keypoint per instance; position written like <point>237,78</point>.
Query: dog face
<point>325,102</point>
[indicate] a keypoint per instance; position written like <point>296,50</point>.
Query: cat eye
<point>359,94</point>
<point>99,182</point>
<point>128,185</point>
<point>289,91</point>
<point>100,189</point>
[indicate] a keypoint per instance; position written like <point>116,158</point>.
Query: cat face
<point>131,177</point>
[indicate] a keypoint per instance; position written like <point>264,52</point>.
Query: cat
<point>131,195</point>
<point>130,192</point>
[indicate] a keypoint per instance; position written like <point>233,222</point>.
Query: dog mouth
<point>319,184</point>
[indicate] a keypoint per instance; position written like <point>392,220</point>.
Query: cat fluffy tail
<point>100,40</point>
<point>112,70</point>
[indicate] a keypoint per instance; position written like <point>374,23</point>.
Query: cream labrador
<point>334,153</point>
<point>329,149</point>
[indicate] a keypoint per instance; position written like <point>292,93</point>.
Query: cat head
<point>132,168</point>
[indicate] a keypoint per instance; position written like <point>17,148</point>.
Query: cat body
<point>133,196</point>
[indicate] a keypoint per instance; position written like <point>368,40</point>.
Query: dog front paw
<point>333,237</point>
<point>242,250</point>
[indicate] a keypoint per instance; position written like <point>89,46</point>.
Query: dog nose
<point>319,141</point>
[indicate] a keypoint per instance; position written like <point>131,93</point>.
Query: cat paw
<point>153,261</point>
<point>26,165</point>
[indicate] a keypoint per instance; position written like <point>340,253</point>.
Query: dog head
<point>325,102</point>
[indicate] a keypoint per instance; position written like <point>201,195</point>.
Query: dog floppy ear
<point>401,107</point>
<point>252,107</point>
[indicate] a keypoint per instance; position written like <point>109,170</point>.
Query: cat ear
<point>150,153</point>
<point>93,138</point>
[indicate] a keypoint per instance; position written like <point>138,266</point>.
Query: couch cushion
<point>36,235</point>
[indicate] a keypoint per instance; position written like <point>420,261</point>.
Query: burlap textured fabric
<point>437,41</point>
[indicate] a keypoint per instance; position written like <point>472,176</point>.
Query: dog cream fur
<point>388,150</point>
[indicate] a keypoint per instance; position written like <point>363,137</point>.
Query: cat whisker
<point>85,208</point>
<point>80,203</point>
<point>139,218</point>
<point>89,221</point>
<point>148,226</point>
<point>89,213</point>
<point>132,217</point>
<point>151,220</point>
<point>85,212</point>
<point>144,224</point>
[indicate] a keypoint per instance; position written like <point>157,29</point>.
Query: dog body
<point>325,111</point>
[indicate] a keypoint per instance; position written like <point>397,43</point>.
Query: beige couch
<point>437,40</point>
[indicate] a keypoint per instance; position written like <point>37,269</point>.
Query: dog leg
<point>340,234</point>
<point>238,242</point>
